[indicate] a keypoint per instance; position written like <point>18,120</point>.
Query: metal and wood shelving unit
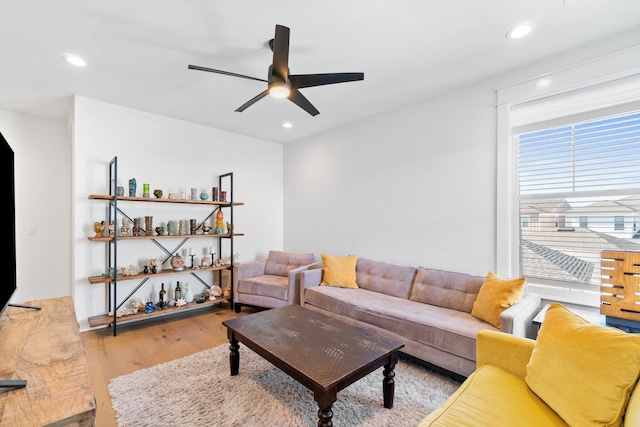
<point>111,281</point>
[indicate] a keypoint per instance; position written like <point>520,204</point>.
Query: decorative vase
<point>171,228</point>
<point>157,193</point>
<point>132,187</point>
<point>119,191</point>
<point>188,295</point>
<point>148,225</point>
<point>137,230</point>
<point>204,196</point>
<point>160,231</point>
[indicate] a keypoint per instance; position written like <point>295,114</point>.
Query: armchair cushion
<point>584,372</point>
<point>281,263</point>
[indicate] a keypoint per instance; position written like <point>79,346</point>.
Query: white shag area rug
<point>198,390</point>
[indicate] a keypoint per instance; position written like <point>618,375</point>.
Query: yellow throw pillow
<point>495,296</point>
<point>583,371</point>
<point>339,271</point>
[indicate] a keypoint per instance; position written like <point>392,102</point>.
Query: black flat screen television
<point>8,284</point>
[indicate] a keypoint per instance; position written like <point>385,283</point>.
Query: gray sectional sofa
<point>429,310</point>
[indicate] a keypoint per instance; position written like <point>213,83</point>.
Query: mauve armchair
<point>271,282</point>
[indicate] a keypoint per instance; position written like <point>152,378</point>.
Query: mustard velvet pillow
<point>495,296</point>
<point>339,271</point>
<point>583,371</point>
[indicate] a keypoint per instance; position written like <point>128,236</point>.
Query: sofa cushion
<point>280,263</point>
<point>495,296</point>
<point>448,330</point>
<point>491,397</point>
<point>339,271</point>
<point>585,372</point>
<point>385,278</point>
<point>266,285</point>
<point>446,289</point>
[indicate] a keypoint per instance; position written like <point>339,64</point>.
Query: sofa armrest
<point>506,351</point>
<point>294,281</point>
<point>632,413</point>
<point>518,319</point>
<point>246,270</point>
<point>309,278</point>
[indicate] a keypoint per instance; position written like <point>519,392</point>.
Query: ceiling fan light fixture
<point>279,91</point>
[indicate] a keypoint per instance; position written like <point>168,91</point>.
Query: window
<point>578,184</point>
<point>569,99</point>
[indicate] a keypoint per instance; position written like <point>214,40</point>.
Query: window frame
<point>603,69</point>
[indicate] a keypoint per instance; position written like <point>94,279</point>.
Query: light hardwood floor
<point>147,343</point>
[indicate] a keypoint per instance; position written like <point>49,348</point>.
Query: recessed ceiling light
<point>287,125</point>
<point>520,30</point>
<point>74,60</point>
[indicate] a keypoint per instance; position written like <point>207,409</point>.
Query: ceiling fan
<point>281,84</point>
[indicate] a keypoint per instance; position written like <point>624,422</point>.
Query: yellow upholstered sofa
<point>575,374</point>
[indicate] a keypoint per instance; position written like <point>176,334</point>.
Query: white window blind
<point>578,194</point>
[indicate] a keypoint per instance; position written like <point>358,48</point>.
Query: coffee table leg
<point>388,385</point>
<point>234,356</point>
<point>325,403</point>
<point>324,417</point>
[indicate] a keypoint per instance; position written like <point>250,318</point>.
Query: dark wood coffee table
<point>322,353</point>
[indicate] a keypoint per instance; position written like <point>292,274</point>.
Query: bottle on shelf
<point>163,293</point>
<point>178,291</point>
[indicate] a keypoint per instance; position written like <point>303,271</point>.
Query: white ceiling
<point>138,51</point>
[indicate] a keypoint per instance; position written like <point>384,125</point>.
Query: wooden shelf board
<point>105,319</point>
<point>178,236</point>
<point>121,277</point>
<point>162,200</point>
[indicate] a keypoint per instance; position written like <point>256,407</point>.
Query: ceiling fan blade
<point>226,73</point>
<point>281,52</point>
<point>308,80</point>
<point>297,98</point>
<point>252,101</point>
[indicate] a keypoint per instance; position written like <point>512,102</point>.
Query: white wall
<point>417,185</point>
<point>42,150</point>
<point>168,154</point>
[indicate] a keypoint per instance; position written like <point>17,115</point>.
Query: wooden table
<point>320,352</point>
<point>44,348</point>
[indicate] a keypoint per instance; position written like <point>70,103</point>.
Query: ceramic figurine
<point>98,227</point>
<point>177,263</point>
